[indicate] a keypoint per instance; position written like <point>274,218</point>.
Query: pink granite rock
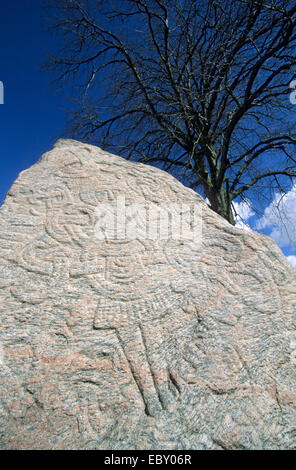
<point>125,325</point>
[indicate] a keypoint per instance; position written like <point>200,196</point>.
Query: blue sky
<point>33,114</point>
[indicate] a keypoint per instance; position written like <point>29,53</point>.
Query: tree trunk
<point>221,203</point>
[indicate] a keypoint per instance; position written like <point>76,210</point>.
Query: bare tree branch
<point>197,88</point>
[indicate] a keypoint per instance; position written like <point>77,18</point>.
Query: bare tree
<point>198,88</point>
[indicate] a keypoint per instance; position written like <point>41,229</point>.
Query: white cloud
<point>243,212</point>
<point>280,218</point>
<point>292,260</point>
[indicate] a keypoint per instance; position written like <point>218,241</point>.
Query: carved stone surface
<point>137,342</point>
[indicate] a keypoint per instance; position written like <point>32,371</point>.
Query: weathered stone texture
<point>137,344</point>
